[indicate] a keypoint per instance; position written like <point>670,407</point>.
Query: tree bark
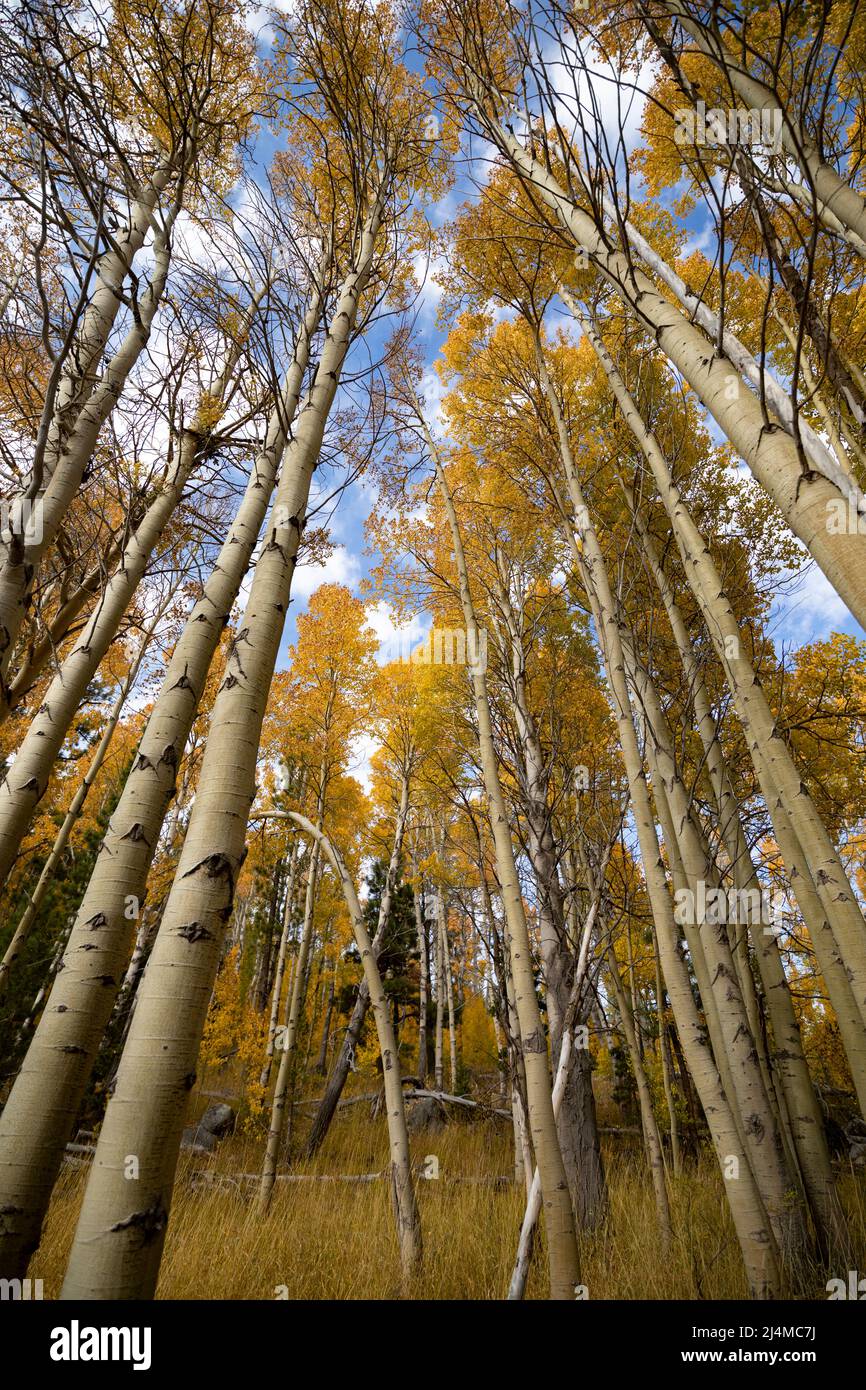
<point>146,1113</point>
<point>38,1117</point>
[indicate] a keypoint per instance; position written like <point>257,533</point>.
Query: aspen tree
<point>287,1047</point>
<point>277,988</point>
<point>652,1138</point>
<point>176,990</point>
<point>831,191</point>
<point>772,457</point>
<point>559,1219</point>
<point>750,1217</point>
<point>145,1114</point>
<point>402,1187</point>
<point>344,1059</point>
<point>802,1103</point>
<point>43,1104</point>
<point>24,785</point>
<point>576,1125</point>
<point>76,806</point>
<point>423,982</point>
<point>786,786</point>
<point>180,77</point>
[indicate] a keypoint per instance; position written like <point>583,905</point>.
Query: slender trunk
<point>780,780</point>
<point>750,1219</point>
<point>345,1058</point>
<point>287,1046</point>
<point>652,1138</point>
<point>146,1113</point>
<point>576,1119</point>
<point>277,991</point>
<point>772,456</point>
<point>37,1120</point>
<point>71,434</point>
<point>423,980</point>
<point>667,1065</point>
<point>22,931</point>
<point>449,992</point>
<point>404,1204</point>
<point>755,1105</point>
<point>564,1264</point>
<point>322,1059</point>
<point>26,781</point>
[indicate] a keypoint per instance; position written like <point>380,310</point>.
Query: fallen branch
<point>457,1100</point>
<point>210,1178</point>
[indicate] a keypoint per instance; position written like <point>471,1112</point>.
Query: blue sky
<point>812,611</point>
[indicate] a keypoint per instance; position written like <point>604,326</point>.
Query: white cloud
<point>258,20</point>
<point>812,612</point>
<point>362,749</point>
<point>396,640</point>
<point>341,567</point>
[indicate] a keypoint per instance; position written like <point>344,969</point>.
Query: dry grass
<point>336,1240</point>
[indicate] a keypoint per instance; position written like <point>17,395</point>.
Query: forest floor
<point>336,1240</point>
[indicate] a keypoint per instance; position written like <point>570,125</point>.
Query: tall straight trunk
<point>757,1108</point>
<point>345,1058</point>
<point>651,1136</point>
<point>667,1065</point>
<point>322,1058</point>
<point>523,1165</point>
<point>438,1046</point>
<point>146,1113</point>
<point>751,1222</point>
<point>76,806</point>
<point>288,1047</point>
<point>260,988</point>
<point>576,1122</point>
<point>807,1125</point>
<point>772,456</point>
<point>37,1120</point>
<point>564,1064</point>
<point>423,979</point>
<point>68,450</point>
<point>563,1258</point>
<point>781,783</point>
<point>404,1205</point>
<point>276,994</point>
<point>26,781</point>
<point>449,994</point>
<point>299,984</point>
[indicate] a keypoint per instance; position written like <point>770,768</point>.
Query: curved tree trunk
<point>345,1058</point>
